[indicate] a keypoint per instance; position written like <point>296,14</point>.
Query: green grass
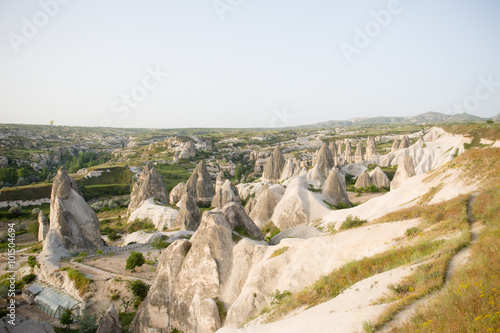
<point>173,174</point>
<point>82,283</point>
<point>279,251</point>
<point>270,230</point>
<point>28,192</point>
<point>243,231</point>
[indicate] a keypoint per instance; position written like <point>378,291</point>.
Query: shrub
<point>113,235</point>
<point>160,243</point>
<point>243,231</point>
<point>352,222</point>
<point>270,230</point>
<point>66,318</point>
<point>28,278</point>
<point>135,259</point>
<point>221,309</point>
<point>88,323</point>
<point>32,261</point>
<point>277,296</point>
<point>412,231</point>
<point>139,289</point>
<point>140,225</point>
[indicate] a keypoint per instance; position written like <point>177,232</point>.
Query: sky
<point>242,63</point>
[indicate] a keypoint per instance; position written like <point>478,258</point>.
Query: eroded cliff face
<point>189,279</point>
<point>149,185</point>
<point>74,227</point>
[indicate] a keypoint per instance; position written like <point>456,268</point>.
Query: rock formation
<point>43,226</point>
<point>189,147</point>
<point>219,181</point>
<point>288,170</point>
<point>420,142</point>
<point>405,142</point>
<point>200,185</point>
<point>161,216</point>
<point>176,157</point>
<point>363,180</point>
<point>406,169</point>
<point>273,167</point>
<point>334,189</point>
<point>358,156</point>
<point>324,160</point>
<point>371,149</point>
<point>149,185</point>
<point>237,217</point>
<point>299,206</point>
<point>225,194</point>
<point>379,178</point>
<point>184,154</point>
<point>189,214</point>
<point>110,323</point>
<point>190,278</point>
<point>176,193</point>
<point>264,204</point>
<point>348,152</point>
<point>333,151</point>
<point>395,146</point>
<point>74,226</point>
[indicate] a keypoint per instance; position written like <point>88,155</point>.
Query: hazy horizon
<point>242,64</point>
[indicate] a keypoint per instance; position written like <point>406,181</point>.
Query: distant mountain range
<point>428,117</point>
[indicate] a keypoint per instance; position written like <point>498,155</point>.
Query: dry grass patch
<point>430,195</point>
<point>279,251</point>
<point>476,165</point>
<point>331,285</point>
<point>470,302</point>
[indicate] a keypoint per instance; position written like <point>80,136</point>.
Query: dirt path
<point>99,271</point>
<point>458,260</point>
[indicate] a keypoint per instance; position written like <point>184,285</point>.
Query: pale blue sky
<point>265,60</point>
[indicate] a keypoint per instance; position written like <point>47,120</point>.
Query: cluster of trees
<point>11,174</point>
<point>85,160</point>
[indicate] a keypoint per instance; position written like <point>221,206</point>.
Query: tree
<point>139,289</point>
<point>135,259</point>
<point>159,243</point>
<point>66,319</point>
<point>88,323</point>
<point>51,122</point>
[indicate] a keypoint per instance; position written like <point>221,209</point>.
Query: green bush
<point>135,259</point>
<point>32,261</point>
<point>66,318</point>
<point>412,231</point>
<point>277,296</point>
<point>28,278</point>
<point>139,289</point>
<point>352,222</point>
<point>88,323</point>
